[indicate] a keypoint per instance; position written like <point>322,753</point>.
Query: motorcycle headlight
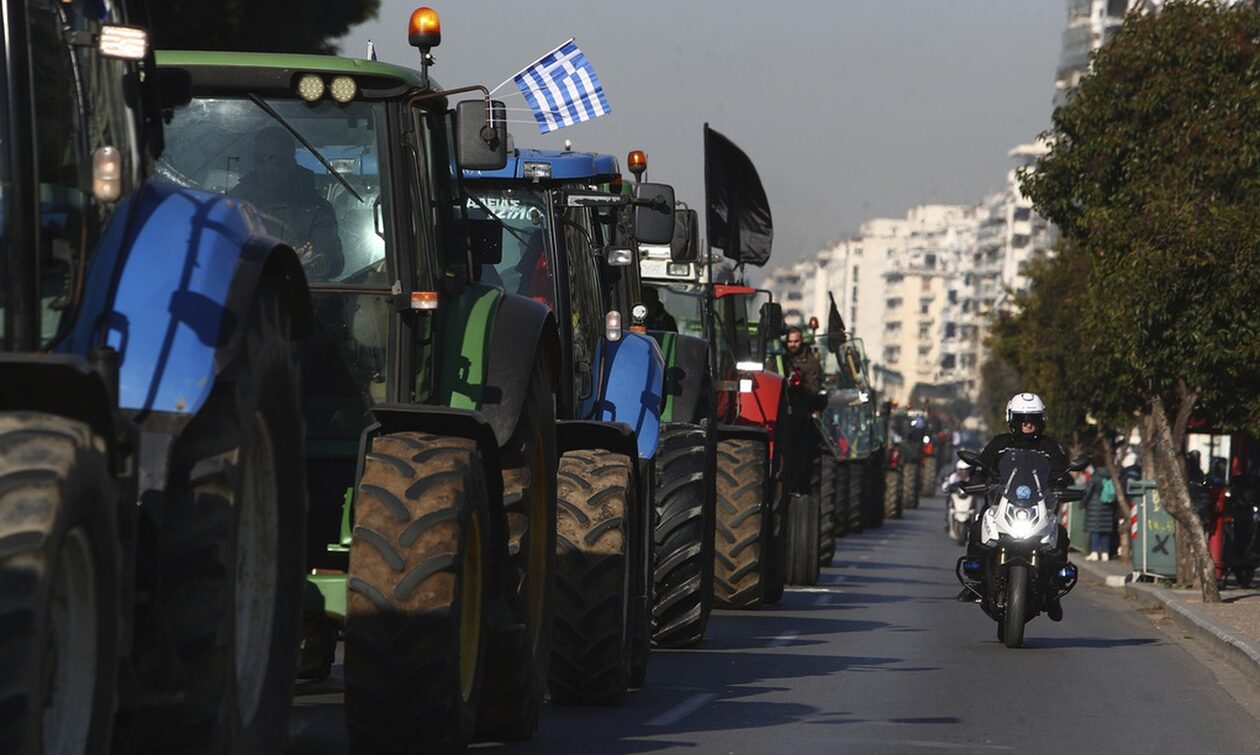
<point>1022,515</point>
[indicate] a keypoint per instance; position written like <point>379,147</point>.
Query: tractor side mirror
<point>769,326</point>
<point>480,143</point>
<point>654,213</point>
<point>770,319</point>
<point>686,244</point>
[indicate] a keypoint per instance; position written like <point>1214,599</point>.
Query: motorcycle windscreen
<point>1024,477</point>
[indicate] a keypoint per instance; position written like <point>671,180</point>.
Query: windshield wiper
<point>520,235</point>
<point>269,110</point>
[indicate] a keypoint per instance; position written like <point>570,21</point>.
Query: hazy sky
<point>851,109</point>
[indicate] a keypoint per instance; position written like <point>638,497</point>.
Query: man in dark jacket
<point>803,386</point>
<point>1026,417</point>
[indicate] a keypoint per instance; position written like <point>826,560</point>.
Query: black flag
<point>738,220</point>
<point>835,327</point>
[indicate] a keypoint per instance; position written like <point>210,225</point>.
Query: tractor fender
<point>631,384</point>
<point>763,404</point>
<point>523,331</point>
<point>178,270</point>
<point>687,377</point>
<point>66,385</point>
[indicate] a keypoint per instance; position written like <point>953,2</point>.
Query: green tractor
<point>429,398</point>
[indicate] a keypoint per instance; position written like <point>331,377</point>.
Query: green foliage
<point>1154,178</point>
<point>999,380</point>
<point>1042,344</point>
<point>310,26</point>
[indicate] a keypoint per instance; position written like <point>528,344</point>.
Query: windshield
<point>679,305</point>
<point>847,424</point>
<point>232,145</point>
<point>517,221</point>
<point>1024,477</point>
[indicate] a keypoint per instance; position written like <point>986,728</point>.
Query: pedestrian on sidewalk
<point>1100,512</point>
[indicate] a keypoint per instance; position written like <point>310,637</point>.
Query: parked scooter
<point>1018,576</point>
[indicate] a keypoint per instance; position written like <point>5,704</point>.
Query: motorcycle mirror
<point>1078,463</point>
<point>969,456</point>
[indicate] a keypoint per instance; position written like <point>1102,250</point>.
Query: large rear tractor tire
<point>683,542</point>
<point>743,530</point>
<point>873,490</point>
<point>590,646</point>
<point>910,485</point>
<point>892,494</point>
<point>927,477</point>
<point>840,482</point>
<point>516,663</point>
<point>231,555</point>
<point>802,539</point>
<point>825,491</point>
<point>416,595</point>
<point>59,589</point>
<point>776,570</point>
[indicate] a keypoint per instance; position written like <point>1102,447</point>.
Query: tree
<point>260,25</point>
<point>1154,172</point>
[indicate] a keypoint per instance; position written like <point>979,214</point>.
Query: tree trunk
<point>1123,508</point>
<point>1170,479</point>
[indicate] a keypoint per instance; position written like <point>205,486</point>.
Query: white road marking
<point>683,709</point>
<point>783,640</point>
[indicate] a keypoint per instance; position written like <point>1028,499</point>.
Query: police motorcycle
<point>1018,576</point>
<point>960,507</point>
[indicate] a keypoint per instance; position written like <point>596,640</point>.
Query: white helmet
<point>1026,407</point>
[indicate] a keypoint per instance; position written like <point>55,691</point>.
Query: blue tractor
<point>150,423</point>
<point>547,228</point>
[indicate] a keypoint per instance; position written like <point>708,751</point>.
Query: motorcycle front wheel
<point>1016,605</point>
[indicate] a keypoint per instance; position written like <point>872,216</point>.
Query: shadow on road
<point>731,678</point>
<point>1049,643</point>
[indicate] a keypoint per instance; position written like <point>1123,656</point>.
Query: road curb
<point>1244,653</point>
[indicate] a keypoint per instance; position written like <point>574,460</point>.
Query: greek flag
<point>562,89</point>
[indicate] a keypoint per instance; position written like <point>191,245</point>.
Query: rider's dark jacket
<point>1048,446</point>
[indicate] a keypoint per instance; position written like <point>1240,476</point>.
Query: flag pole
<point>531,65</point>
<point>709,300</point>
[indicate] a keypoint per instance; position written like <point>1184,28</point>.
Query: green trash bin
<point>1155,547</point>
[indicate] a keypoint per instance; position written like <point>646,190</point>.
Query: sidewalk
<point>1230,628</point>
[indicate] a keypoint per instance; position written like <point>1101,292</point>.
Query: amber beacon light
<point>425,29</point>
<point>637,162</point>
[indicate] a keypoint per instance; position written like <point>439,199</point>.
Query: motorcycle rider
<point>1026,417</point>
<point>961,474</point>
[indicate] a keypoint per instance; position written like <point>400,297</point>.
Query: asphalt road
<point>879,658</point>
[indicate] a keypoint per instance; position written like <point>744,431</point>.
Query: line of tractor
<point>301,351</point>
